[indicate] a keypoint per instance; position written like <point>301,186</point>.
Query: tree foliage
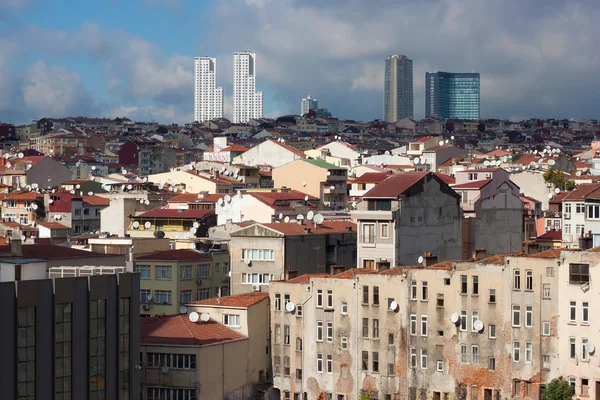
<point>558,389</point>
<point>558,179</point>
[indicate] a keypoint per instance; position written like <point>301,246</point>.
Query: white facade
<point>247,103</point>
<point>208,98</point>
<point>308,104</point>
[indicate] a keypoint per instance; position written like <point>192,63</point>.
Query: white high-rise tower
<point>208,98</point>
<point>247,103</point>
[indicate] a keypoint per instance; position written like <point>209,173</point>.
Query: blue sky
<point>135,57</point>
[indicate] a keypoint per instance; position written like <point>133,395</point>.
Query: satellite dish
<point>90,193</point>
<point>93,167</point>
<point>578,173</point>
<point>550,195</point>
<point>196,225</point>
<point>557,190</point>
<point>310,215</point>
<point>551,162</point>
<point>454,318</point>
<point>280,216</point>
<point>354,204</point>
<point>394,305</point>
<point>290,307</point>
<point>59,217</point>
<point>149,297</point>
<point>34,206</point>
<point>441,142</point>
<point>420,260</point>
<point>77,186</point>
<point>193,231</point>
<point>416,160</point>
<point>148,225</point>
<point>557,151</point>
<point>20,155</point>
<point>193,316</point>
<point>129,187</point>
<point>286,219</point>
<point>23,238</point>
<point>136,224</point>
<point>159,234</point>
<point>50,201</point>
<point>520,191</point>
<point>486,163</point>
<point>452,137</point>
<point>332,187</point>
<point>124,172</point>
<point>183,310</point>
<point>8,165</point>
<point>589,346</point>
<point>204,317</point>
<point>299,217</point>
<point>92,178</point>
<point>147,202</point>
<point>305,198</point>
<point>478,325</point>
<point>319,218</point>
<point>221,201</point>
<point>328,173</point>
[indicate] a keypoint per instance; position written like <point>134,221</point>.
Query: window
<point>286,366</point>
<point>528,280</point>
<point>286,300</point>
<point>385,231</point>
<point>203,271</point>
<point>286,334</point>
<point>375,328</point>
<point>585,312</point>
<point>329,331</point>
<point>298,344</point>
<point>413,358</point>
<point>203,294</point>
<point>546,291</point>
<point>162,296</point>
<point>365,327</point>
<point>368,233</point>
<point>474,393</point>
<point>298,378</point>
<point>579,273</point>
<point>413,290</point>
<point>163,272</point>
<point>344,307</point>
<point>424,294</point>
<point>492,296</point>
<point>329,363</point>
<point>517,279</point>
<point>516,351</point>
<point>319,298</point>
<point>423,325</point>
<point>145,294</point>
<point>475,285</point>
<point>256,278</point>
<point>463,353</point>
<point>568,229</point>
<point>329,298</point>
<point>440,300</point>
<point>299,311</point>
<point>344,342</point>
<point>424,358</point>
<point>97,343</point>
<point>549,272</point>
<point>464,284</point>
<point>492,331</point>
<point>528,316</point>
<point>474,317</point>
<point>413,324</point>
<point>579,208</point>
<point>546,362</point>
<point>62,351</point>
<point>546,328</point>
<point>319,331</point>
<point>258,255</point>
<point>585,385</point>
<point>144,271</point>
<point>585,356</point>
<point>492,363</point>
<point>365,299</point>
<point>365,360</point>
<point>528,351</point>
<point>319,362</point>
<point>375,357</point>
<point>169,393</point>
<point>277,334</point>
<point>572,381</point>
<point>463,320</point>
<point>572,312</point>
<point>516,315</point>
<point>474,354</point>
<point>277,301</point>
<point>185,272</point>
<point>185,296</point>
<point>439,366</point>
<point>572,352</point>
<point>375,295</point>
<point>178,361</point>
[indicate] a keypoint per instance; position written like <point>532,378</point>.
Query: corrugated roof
<point>176,255</point>
<point>179,330</point>
<point>244,300</point>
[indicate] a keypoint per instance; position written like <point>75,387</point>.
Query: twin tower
<point>208,98</point>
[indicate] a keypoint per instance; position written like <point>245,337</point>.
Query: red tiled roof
<point>498,153</point>
<point>423,139</point>
<point>96,201</point>
<point>52,252</point>
<point>526,159</point>
<point>23,195</point>
<point>395,185</point>
<point>472,185</point>
<point>582,191</point>
<point>351,273</point>
<point>491,169</point>
<point>61,206</point>
<point>446,178</point>
<point>269,198</point>
<point>244,300</point>
<point>236,148</point>
<point>372,177</point>
<point>175,255</point>
<point>290,148</point>
<point>551,235</point>
<point>53,225</point>
<point>495,259</point>
<point>174,213</point>
<point>551,253</point>
<point>326,227</point>
<point>558,197</point>
<point>179,330</point>
<point>305,279</point>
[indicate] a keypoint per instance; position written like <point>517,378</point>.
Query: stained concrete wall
<point>499,231</point>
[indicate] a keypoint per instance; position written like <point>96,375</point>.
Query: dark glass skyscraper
<point>398,88</point>
<point>452,95</point>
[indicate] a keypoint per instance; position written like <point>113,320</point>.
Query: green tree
<point>558,389</point>
<point>569,185</point>
<point>558,179</point>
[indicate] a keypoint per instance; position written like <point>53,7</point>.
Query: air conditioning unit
<point>256,288</point>
<point>567,215</point>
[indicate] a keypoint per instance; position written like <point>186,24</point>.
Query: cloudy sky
<point>537,58</point>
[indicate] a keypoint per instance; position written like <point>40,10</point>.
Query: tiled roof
<point>446,178</point>
<point>96,201</point>
<point>327,227</point>
<point>551,235</point>
<point>269,198</point>
<point>498,153</point>
<point>236,148</point>
<point>52,252</point>
<point>491,169</point>
<point>60,206</point>
<point>551,253</point>
<point>395,185</point>
<point>174,213</point>
<point>423,139</point>
<point>53,225</point>
<point>179,330</point>
<point>244,300</point>
<point>372,177</point>
<point>194,197</point>
<point>290,148</point>
<point>495,259</point>
<point>351,273</point>
<point>558,197</point>
<point>175,255</point>
<point>22,195</point>
<point>582,191</point>
<point>305,278</point>
<point>472,185</point>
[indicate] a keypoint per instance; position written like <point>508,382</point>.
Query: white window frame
<point>585,309</point>
<point>463,320</point>
<point>528,316</point>
<point>258,255</point>
<point>231,320</point>
<point>329,331</point>
<point>492,331</point>
<point>424,325</point>
<point>344,342</point>
<point>474,354</point>
<point>546,328</point>
<point>516,351</point>
<point>163,272</point>
<point>474,317</point>
<point>528,352</point>
<point>516,316</point>
<point>572,312</point>
<point>344,308</point>
<point>439,366</point>
<point>319,331</point>
<point>413,324</point>
<point>423,358</point>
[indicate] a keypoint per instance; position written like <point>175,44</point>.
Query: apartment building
<point>172,223</point>
<point>405,216</point>
<point>574,217</point>
<point>172,278</point>
<point>270,152</point>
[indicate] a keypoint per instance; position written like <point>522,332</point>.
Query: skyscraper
<point>247,103</point>
<point>208,99</point>
<point>308,104</point>
<point>452,95</point>
<point>398,88</point>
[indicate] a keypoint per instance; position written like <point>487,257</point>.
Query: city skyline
<point>208,98</point>
<point>94,61</point>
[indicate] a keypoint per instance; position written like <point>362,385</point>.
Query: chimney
<point>15,247</point>
<point>479,254</point>
<point>429,259</point>
<point>306,230</point>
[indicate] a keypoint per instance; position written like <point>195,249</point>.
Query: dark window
<point>380,205</point>
<point>365,295</point>
<point>62,351</point>
<point>365,360</point>
<point>124,366</point>
<point>376,295</point>
<point>579,273</point>
<point>97,349</point>
<point>26,353</point>
<point>463,284</point>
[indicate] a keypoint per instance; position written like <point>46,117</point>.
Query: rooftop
<point>472,185</point>
<point>175,255</point>
<point>244,300</point>
<point>175,213</point>
<point>321,164</point>
<point>327,227</point>
<point>552,235</point>
<point>395,185</point>
<point>52,252</point>
<point>372,177</point>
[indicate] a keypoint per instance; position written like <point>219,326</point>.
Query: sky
<point>134,58</point>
